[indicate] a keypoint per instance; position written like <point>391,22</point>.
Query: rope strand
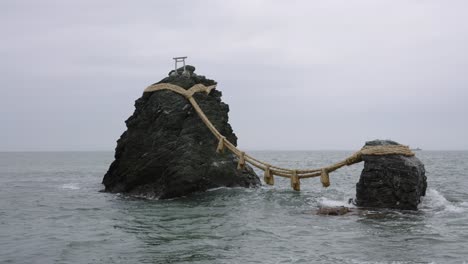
<point>270,170</point>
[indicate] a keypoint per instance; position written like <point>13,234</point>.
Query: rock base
<point>391,181</point>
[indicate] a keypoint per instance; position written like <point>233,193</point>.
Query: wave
<point>70,186</point>
<point>435,201</point>
<point>216,189</point>
<point>325,202</point>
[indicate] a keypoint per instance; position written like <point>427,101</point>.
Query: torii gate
<point>179,59</point>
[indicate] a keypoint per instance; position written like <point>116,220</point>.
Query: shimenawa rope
<point>270,170</point>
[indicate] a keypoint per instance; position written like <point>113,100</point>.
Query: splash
<point>435,201</point>
<point>325,202</point>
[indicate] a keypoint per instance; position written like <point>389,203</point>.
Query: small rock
<point>340,210</point>
<point>189,70</point>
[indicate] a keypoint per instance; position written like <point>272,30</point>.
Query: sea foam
<point>70,186</point>
<point>435,201</point>
<point>325,202</point>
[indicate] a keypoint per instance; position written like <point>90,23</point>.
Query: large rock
<point>391,181</point>
<point>168,152</point>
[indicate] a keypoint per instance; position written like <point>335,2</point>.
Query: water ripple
<point>52,212</point>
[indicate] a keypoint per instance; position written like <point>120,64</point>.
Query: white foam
<point>215,189</point>
<point>70,186</point>
<point>436,201</point>
<point>325,202</point>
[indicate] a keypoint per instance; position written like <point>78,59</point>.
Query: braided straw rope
<point>271,170</point>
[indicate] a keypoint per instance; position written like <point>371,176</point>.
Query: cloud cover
<point>299,75</point>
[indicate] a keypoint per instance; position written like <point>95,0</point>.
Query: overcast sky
<point>298,75</point>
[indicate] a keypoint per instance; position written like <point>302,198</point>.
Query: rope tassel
<point>295,183</point>
<point>325,178</point>
<point>220,147</point>
<point>241,163</point>
<point>268,176</point>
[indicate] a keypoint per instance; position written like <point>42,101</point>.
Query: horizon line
<point>249,150</point>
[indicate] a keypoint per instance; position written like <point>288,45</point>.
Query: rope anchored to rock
<point>270,171</point>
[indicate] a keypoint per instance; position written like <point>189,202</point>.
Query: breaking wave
<point>435,201</point>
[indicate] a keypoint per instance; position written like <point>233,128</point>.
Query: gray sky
<point>297,75</point>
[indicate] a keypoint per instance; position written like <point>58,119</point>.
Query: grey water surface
<point>51,211</point>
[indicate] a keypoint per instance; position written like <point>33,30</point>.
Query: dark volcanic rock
<point>391,181</point>
<point>168,152</point>
<point>340,210</point>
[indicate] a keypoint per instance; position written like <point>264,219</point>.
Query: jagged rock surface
<point>168,152</point>
<point>392,181</point>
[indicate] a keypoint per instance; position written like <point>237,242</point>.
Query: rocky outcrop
<point>168,152</point>
<point>391,181</point>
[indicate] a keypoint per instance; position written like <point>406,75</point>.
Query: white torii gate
<point>179,59</point>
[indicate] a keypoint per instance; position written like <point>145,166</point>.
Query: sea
<point>52,210</point>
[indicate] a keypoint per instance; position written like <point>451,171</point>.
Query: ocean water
<point>51,211</point>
